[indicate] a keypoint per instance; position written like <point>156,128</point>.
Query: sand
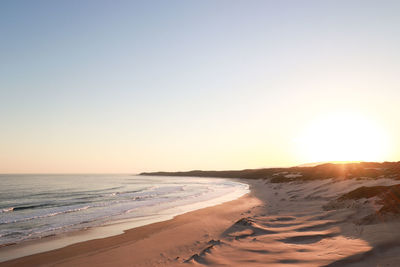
<point>277,224</point>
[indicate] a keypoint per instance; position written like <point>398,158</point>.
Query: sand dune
<point>294,228</point>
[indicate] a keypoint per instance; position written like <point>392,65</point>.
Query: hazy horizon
<point>129,87</point>
<point>308,164</point>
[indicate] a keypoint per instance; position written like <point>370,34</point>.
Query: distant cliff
<point>323,171</point>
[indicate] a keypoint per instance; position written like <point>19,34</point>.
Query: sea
<point>36,206</point>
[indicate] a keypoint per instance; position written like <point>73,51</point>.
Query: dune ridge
<point>294,228</point>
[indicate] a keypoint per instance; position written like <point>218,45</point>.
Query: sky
<point>131,86</point>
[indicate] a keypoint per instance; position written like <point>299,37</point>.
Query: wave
<point>7,209</point>
<point>40,206</point>
<point>30,207</point>
<point>45,215</point>
<point>119,193</point>
<point>18,236</point>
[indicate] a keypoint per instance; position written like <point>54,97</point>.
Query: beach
<point>165,243</point>
<point>299,223</point>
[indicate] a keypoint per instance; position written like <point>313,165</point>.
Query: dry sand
<point>285,224</point>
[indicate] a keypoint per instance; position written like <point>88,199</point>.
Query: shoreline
<point>23,254</point>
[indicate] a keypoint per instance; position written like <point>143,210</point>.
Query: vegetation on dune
<point>389,196</point>
<point>364,192</point>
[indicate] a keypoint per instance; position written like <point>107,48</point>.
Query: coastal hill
<point>322,171</point>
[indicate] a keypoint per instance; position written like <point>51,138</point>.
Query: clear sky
<point>130,86</point>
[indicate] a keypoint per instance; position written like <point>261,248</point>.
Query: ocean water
<point>36,206</point>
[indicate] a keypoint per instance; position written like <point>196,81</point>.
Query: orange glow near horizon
<point>343,137</point>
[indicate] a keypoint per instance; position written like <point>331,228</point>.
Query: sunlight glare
<point>342,137</point>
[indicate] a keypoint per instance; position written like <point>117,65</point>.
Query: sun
<point>342,136</point>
